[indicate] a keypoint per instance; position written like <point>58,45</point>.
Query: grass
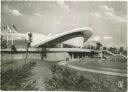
<point>17,79</point>
<point>13,79</point>
<point>13,64</point>
<point>15,76</point>
<point>94,82</point>
<point>40,72</point>
<point>65,79</point>
<point>19,43</point>
<point>110,82</point>
<point>96,64</point>
<point>8,63</point>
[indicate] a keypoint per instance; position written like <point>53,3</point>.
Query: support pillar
<point>72,56</point>
<point>78,55</point>
<point>84,55</point>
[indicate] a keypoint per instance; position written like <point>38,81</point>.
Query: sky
<point>107,19</point>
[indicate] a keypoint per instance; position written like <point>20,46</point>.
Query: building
<point>63,46</point>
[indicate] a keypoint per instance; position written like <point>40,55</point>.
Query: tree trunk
<point>26,55</point>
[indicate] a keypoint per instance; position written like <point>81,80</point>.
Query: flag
<point>4,30</point>
<point>14,29</point>
<point>8,29</point>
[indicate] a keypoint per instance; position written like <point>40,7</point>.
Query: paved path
<point>65,63</point>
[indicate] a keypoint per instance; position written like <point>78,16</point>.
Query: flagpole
<point>12,37</point>
<point>11,32</point>
<point>102,53</point>
<point>7,38</point>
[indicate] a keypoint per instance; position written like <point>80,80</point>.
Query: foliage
<point>113,50</point>
<point>28,45</point>
<point>66,79</point>
<point>13,79</point>
<point>13,49</point>
<point>3,44</point>
<point>99,45</point>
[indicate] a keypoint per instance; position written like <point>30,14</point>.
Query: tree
<point>113,50</point>
<point>125,52</point>
<point>13,49</point>
<point>92,53</point>
<point>99,45</point>
<point>67,79</point>
<point>28,45</point>
<point>104,48</point>
<point>4,44</point>
<point>121,50</point>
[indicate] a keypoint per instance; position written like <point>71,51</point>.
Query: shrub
<point>66,79</point>
<point>13,79</point>
<point>13,49</point>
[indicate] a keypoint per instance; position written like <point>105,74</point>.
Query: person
<point>13,49</point>
<point>4,44</point>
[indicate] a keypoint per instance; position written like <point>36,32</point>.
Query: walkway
<point>51,50</point>
<point>66,63</point>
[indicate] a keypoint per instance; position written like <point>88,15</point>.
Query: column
<point>72,55</point>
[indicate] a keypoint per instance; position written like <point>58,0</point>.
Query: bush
<point>13,49</point>
<point>13,79</point>
<point>66,79</point>
<point>3,44</point>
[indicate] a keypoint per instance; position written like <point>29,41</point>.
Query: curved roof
<point>84,32</point>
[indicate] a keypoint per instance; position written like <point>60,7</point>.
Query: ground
<point>97,63</point>
<point>35,74</point>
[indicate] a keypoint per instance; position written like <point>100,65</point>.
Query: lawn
<point>14,79</point>
<point>96,64</point>
<point>13,64</point>
<point>17,76</point>
<point>109,81</point>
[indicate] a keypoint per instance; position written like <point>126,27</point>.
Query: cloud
<point>58,23</point>
<point>96,38</point>
<point>39,17</point>
<point>63,5</point>
<point>96,14</point>
<point>113,17</point>
<point>107,37</point>
<point>109,13</point>
<point>16,12</point>
<point>38,14</point>
<point>106,8</point>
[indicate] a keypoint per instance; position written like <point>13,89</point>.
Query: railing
<point>115,55</point>
<point>51,50</point>
<point>110,52</point>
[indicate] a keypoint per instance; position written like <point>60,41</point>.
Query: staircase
<point>108,52</point>
<point>114,57</point>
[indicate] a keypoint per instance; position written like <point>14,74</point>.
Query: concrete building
<point>67,45</point>
<point>64,46</point>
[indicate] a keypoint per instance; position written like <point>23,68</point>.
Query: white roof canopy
<point>84,32</point>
